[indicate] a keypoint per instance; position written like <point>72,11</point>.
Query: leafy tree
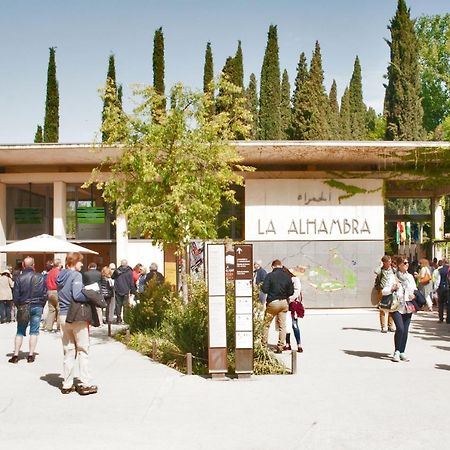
<point>174,173</point>
<point>346,130</point>
<point>270,96</point>
<point>311,113</point>
<point>285,106</point>
<point>376,125</point>
<point>433,34</point>
<point>120,96</point>
<point>403,105</point>
<point>158,67</point>
<point>333,117</point>
<point>357,106</point>
<point>51,121</point>
<point>208,69</point>
<point>299,94</point>
<point>38,137</point>
<point>111,81</point>
<point>251,95</point>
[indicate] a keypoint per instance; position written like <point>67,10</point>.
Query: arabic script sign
<point>293,210</point>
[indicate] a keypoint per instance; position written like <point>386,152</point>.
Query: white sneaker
<point>396,356</point>
<point>403,357</point>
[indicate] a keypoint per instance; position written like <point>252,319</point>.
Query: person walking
<point>52,293</point>
<point>123,286</point>
<point>296,310</point>
<point>404,285</point>
<point>259,274</point>
<point>443,291</point>
<point>75,335</point>
<point>278,287</point>
<point>6,287</point>
<point>425,278</point>
<point>382,274</point>
<point>30,296</point>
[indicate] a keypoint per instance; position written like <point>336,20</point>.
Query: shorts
<point>35,322</point>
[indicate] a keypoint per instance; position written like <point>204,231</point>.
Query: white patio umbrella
<point>44,243</point>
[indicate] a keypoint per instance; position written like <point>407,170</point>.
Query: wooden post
<point>127,336</point>
<point>154,348</point>
<point>109,329</point>
<point>189,363</point>
<point>293,362</point>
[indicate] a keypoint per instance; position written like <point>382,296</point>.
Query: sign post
<point>243,271</point>
<point>217,343</point>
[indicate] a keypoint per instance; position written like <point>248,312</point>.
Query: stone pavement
<point>347,394</point>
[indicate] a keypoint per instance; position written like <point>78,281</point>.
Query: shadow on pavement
<point>365,354</point>
<point>53,379</point>
<point>362,329</point>
<point>441,347</point>
<point>443,366</point>
<point>426,326</point>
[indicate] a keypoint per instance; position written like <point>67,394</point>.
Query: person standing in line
<point>381,278</point>
<point>295,309</point>
<point>425,278</point>
<point>259,274</point>
<point>91,276</point>
<point>52,292</point>
<point>107,289</point>
<point>404,284</point>
<point>153,274</point>
<point>6,287</point>
<point>30,294</point>
<point>123,286</point>
<point>75,335</point>
<point>278,287</point>
<point>443,291</point>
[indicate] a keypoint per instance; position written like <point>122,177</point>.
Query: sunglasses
<point>405,262</point>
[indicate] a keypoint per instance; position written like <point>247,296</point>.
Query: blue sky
<point>85,32</point>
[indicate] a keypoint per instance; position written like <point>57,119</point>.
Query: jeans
<point>296,330</point>
<point>443,304</point>
<point>5,310</point>
<point>402,322</point>
<point>34,322</point>
<point>120,300</point>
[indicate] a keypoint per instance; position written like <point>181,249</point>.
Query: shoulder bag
<point>23,309</point>
<point>390,302</point>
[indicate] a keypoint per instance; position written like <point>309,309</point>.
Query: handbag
<point>426,278</point>
<point>23,313</point>
<point>410,307</point>
<point>94,298</point>
<point>390,302</point>
<point>79,312</point>
<point>420,298</point>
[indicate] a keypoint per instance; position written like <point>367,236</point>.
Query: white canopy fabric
<point>44,243</point>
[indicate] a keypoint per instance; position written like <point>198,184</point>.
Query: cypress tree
<point>120,96</point>
<point>252,104</point>
<point>51,121</point>
<point>158,66</point>
<point>285,106</point>
<point>269,98</point>
<point>403,107</point>
<point>311,112</point>
<point>346,130</point>
<point>239,68</point>
<point>333,118</point>
<point>110,82</point>
<point>38,137</point>
<point>299,94</point>
<point>208,68</point>
<point>229,69</point>
<point>357,106</point>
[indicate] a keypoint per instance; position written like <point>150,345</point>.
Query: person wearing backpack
<point>443,291</point>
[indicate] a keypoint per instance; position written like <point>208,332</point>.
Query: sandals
<point>86,390</point>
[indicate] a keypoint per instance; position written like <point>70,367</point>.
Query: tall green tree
<point>38,137</point>
<point>299,95</point>
<point>433,34</point>
<point>251,95</point>
<point>158,67</point>
<point>51,120</point>
<point>269,126</point>
<point>208,69</point>
<point>310,117</point>
<point>285,106</point>
<point>357,106</point>
<point>333,113</point>
<point>239,67</point>
<point>173,175</point>
<point>403,104</point>
<point>344,119</point>
<point>111,82</point>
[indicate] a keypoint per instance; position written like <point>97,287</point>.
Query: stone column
<point>2,223</point>
<point>121,238</point>
<point>437,225</point>
<point>59,213</point>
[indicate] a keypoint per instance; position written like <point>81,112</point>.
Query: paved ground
<point>346,395</point>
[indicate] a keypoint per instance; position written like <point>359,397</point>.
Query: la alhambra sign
<point>312,210</point>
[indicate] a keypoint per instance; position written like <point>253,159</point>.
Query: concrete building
<point>318,206</point>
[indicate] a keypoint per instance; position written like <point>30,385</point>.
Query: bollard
<point>189,363</point>
<point>154,348</point>
<point>127,336</point>
<point>293,362</point>
<point>109,329</point>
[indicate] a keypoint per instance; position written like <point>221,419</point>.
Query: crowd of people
<point>410,282</point>
<point>60,300</point>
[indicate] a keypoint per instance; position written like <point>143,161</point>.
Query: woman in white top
<point>404,284</point>
<point>292,316</point>
<point>425,281</point>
